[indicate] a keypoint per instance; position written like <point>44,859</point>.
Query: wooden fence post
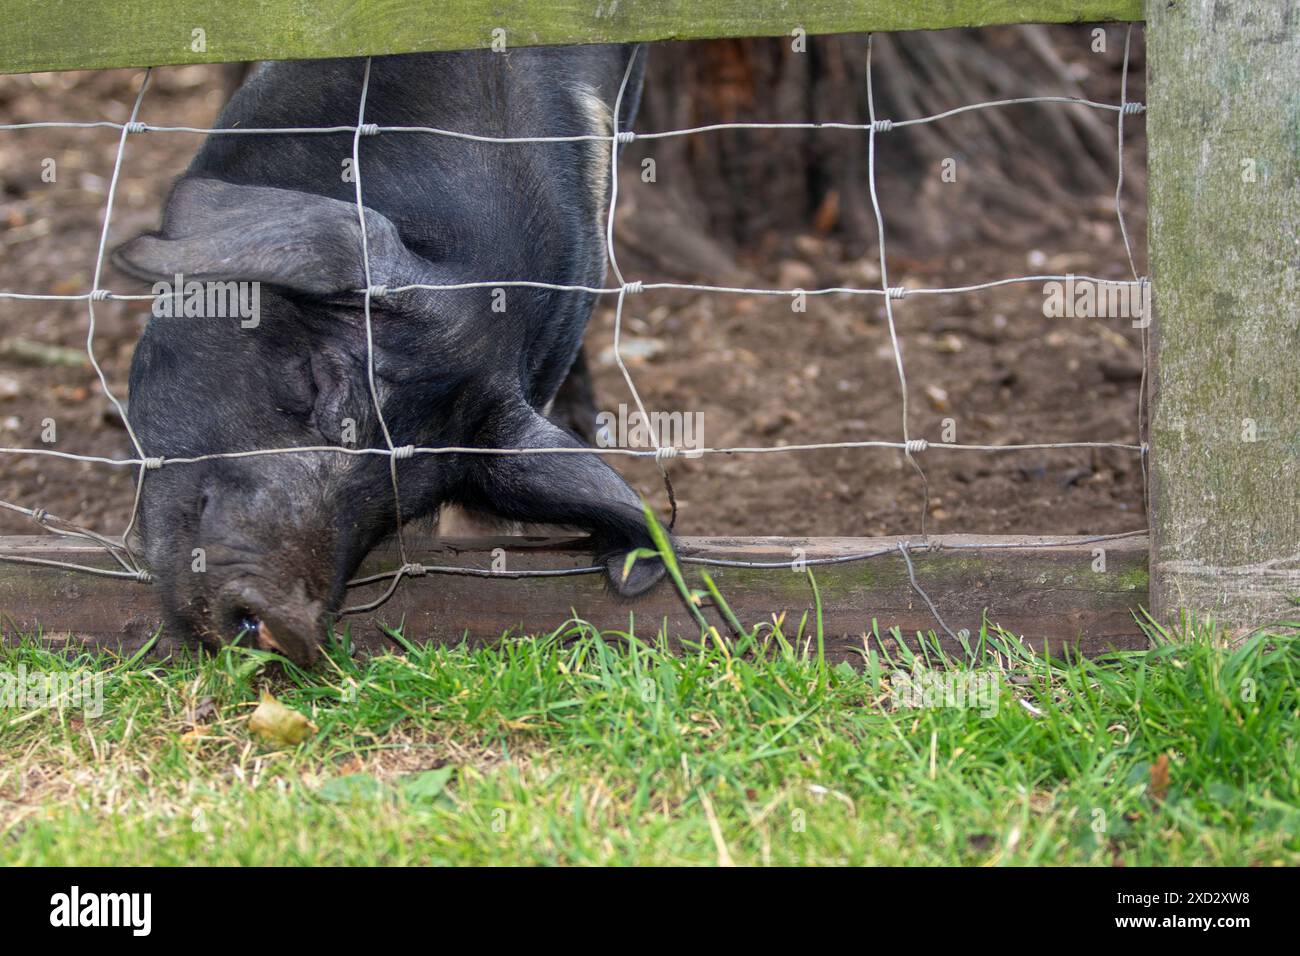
<point>1223,128</point>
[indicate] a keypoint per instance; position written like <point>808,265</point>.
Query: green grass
<point>579,747</point>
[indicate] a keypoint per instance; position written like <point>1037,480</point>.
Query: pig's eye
<point>296,390</point>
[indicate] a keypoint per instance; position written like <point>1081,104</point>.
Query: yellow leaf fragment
<point>278,725</point>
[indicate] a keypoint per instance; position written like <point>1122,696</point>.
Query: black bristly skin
<point>282,534</point>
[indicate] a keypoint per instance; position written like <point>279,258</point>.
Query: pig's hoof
<point>644,574</point>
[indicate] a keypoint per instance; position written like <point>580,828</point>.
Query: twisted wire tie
<point>897,292</point>
<point>153,464</point>
<point>414,570</point>
<point>626,136</point>
<point>39,515</point>
<point>1129,109</point>
<point>632,288</point>
<point>913,445</point>
<point>665,452</point>
<point>378,291</point>
<point>882,125</point>
<point>143,576</point>
<point>403,452</point>
<point>137,127</point>
<point>369,129</point>
<point>100,295</point>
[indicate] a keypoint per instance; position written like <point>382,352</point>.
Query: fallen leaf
<point>1030,707</point>
<point>195,736</point>
<point>938,397</point>
<point>205,712</point>
<point>1159,784</point>
<point>427,784</point>
<point>278,725</point>
<point>350,789</point>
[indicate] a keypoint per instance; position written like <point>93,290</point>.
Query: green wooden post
<point>1223,128</point>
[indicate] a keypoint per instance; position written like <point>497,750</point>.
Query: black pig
<point>282,534</point>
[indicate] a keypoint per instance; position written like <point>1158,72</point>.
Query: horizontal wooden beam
<point>1049,593</point>
<point>43,35</point>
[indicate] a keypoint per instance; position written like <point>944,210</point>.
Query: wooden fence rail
<point>94,34</point>
<point>1051,593</point>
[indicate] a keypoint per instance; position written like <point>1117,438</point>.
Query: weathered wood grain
<point>1046,593</point>
<point>1223,127</point>
<point>91,34</point>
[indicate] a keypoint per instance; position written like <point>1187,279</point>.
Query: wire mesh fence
<point>912,447</point>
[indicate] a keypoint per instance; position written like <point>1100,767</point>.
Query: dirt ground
<point>759,373</point>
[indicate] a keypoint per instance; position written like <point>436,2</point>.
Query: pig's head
<point>262,546</point>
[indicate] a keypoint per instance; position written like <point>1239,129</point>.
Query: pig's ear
<point>214,230</point>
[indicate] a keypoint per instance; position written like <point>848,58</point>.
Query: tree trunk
<point>749,191</point>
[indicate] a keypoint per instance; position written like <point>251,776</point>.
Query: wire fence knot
<point>882,125</point>
<point>897,292</point>
<point>665,452</point>
<point>144,577</point>
<point>368,129</point>
<point>136,127</point>
<point>626,136</point>
<point>632,288</point>
<point>412,570</point>
<point>403,452</point>
<point>377,291</point>
<point>152,464</point>
<point>100,295</point>
<point>913,445</point>
<point>1130,109</point>
<point>39,515</point>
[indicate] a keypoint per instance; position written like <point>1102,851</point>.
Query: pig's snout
<point>287,623</point>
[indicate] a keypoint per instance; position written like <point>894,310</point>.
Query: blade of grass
<point>666,555</point>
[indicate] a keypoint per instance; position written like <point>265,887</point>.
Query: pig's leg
<point>574,405</point>
<point>575,490</point>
